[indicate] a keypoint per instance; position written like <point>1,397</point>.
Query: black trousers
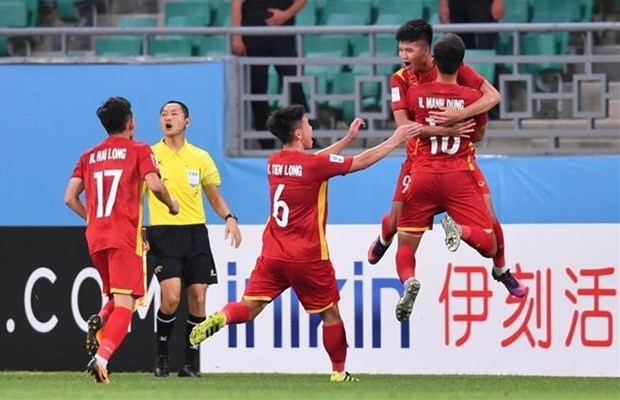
<point>473,11</point>
<point>270,46</point>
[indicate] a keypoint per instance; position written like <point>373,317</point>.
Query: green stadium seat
<point>541,44</point>
<point>133,21</point>
<point>126,46</point>
<point>321,43</point>
<point>307,16</point>
<point>212,46</point>
<point>431,11</point>
<point>187,20</point>
<point>4,46</point>
<point>221,14</point>
<point>198,9</point>
<point>347,12</point>
<point>13,14</point>
<point>171,47</point>
<point>397,12</point>
<point>486,69</point>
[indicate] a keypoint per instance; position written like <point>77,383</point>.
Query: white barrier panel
<point>463,321</point>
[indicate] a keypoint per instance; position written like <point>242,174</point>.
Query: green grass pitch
<point>76,385</point>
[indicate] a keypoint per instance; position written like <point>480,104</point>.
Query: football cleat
<point>376,251</point>
<point>162,366</point>
<point>512,284</point>
<point>187,371</point>
<point>343,376</point>
<point>453,233</point>
<point>405,304</point>
<point>207,328</point>
<point>97,371</point>
<point>95,323</point>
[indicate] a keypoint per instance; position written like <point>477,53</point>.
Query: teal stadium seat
<point>171,47</point>
<point>487,70</point>
<point>201,10</point>
<point>397,12</point>
<point>347,12</point>
<point>221,16</point>
<point>541,44</point>
<point>127,46</point>
<point>212,46</point>
<point>13,14</point>
<point>133,21</point>
<point>308,15</point>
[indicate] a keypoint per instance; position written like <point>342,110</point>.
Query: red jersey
<point>441,153</point>
<point>295,230</point>
<point>113,173</point>
<point>403,79</point>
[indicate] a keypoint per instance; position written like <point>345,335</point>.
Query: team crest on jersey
<point>335,158</point>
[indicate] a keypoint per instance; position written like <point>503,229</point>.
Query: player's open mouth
<point>168,126</point>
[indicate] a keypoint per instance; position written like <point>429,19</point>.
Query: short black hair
<point>183,107</point>
<point>114,114</point>
<point>449,52</point>
<point>415,30</point>
<point>283,122</point>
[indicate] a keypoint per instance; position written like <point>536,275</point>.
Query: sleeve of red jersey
<point>467,76</point>
<point>78,171</point>
<point>146,160</point>
<point>328,165</point>
<point>399,92</point>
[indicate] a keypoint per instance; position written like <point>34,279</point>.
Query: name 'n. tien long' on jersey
<point>441,153</point>
<point>295,230</point>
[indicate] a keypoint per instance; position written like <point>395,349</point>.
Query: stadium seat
<point>486,69</point>
<point>307,16</point>
<point>212,46</point>
<point>397,12</point>
<point>171,47</point>
<point>195,9</point>
<point>133,21</point>
<point>4,46</point>
<point>221,13</point>
<point>541,44</point>
<point>321,43</point>
<point>431,11</point>
<point>127,46</point>
<point>347,12</point>
<point>13,15</point>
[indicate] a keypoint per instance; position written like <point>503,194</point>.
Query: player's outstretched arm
<point>75,187</point>
<point>374,154</point>
<point>343,143</point>
<point>161,192</point>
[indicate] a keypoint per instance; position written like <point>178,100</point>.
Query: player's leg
<point>468,216</point>
<point>499,262</point>
<point>126,284</point>
<point>388,223</point>
<point>335,344</point>
<point>405,266</point>
<point>266,282</point>
<point>96,321</point>
<point>198,274</point>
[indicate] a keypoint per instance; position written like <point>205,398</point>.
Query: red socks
<point>498,259</point>
<point>236,313</point>
<point>115,331</point>
<point>387,230</point>
<point>106,310</point>
<point>405,262</point>
<point>335,343</point>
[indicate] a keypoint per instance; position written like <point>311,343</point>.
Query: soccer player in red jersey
<point>414,47</point>
<point>443,172</point>
<point>295,252</point>
<point>112,175</point>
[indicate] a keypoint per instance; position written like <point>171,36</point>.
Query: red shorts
<point>481,181</point>
<point>404,179</point>
<point>455,192</point>
<point>313,282</point>
<point>121,271</point>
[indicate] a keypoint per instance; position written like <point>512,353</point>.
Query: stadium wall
<point>562,217</point>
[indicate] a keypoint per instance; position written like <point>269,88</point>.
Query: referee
<point>179,245</point>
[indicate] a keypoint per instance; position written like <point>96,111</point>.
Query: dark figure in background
<point>266,13</point>
<point>473,11</point>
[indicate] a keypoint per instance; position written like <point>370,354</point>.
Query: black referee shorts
<point>181,252</point>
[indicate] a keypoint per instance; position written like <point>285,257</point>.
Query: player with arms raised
<point>294,252</point>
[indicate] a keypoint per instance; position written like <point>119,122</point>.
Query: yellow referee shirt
<point>184,172</point>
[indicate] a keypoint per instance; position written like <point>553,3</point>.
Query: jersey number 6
<point>281,217</point>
